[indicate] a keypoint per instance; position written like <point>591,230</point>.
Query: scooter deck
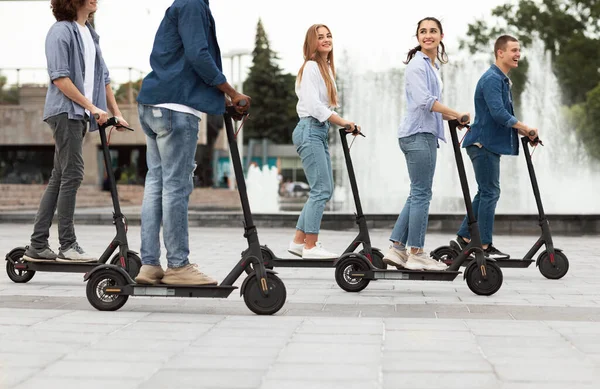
<point>299,262</point>
<point>514,263</point>
<point>162,290</point>
<point>407,275</point>
<point>59,267</point>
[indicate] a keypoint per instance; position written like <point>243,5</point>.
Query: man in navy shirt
<point>186,81</point>
<point>493,133</point>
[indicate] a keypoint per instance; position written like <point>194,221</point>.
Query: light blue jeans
<point>310,138</point>
<point>420,150</point>
<point>171,140</point>
<point>487,173</point>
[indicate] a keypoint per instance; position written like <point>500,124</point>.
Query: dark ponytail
<point>412,53</point>
<point>441,55</point>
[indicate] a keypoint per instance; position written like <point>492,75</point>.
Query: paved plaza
<point>533,333</point>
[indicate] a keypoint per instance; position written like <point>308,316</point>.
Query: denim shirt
<point>64,54</point>
<point>422,90</point>
<point>494,115</point>
<point>186,60</point>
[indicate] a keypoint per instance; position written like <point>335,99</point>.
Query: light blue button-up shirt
<point>422,90</point>
<point>64,54</point>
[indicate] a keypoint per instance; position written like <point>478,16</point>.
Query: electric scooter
<point>109,287</point>
<point>552,262</point>
<point>354,271</point>
<point>374,255</point>
<point>21,271</point>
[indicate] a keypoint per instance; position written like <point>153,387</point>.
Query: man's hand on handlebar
<point>121,124</point>
<point>241,108</point>
<point>100,116</point>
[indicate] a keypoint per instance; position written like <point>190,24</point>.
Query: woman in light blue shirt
<point>418,137</point>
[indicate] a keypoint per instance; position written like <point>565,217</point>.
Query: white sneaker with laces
<point>317,252</point>
<point>296,248</point>
<point>396,257</point>
<point>74,254</point>
<point>422,261</point>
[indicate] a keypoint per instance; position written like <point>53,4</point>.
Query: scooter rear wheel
<point>267,260</point>
<point>553,271</point>
<point>445,254</point>
<point>96,290</point>
<point>345,280</point>
<point>377,259</point>
<point>134,263</point>
<point>18,276</point>
<point>259,304</point>
<point>479,285</point>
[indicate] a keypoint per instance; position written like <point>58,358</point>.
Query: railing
<point>36,76</point>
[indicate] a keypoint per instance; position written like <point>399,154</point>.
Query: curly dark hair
<point>66,9</point>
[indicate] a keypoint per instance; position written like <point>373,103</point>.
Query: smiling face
<point>429,35</point>
<point>324,41</point>
<point>90,6</point>
<point>510,55</point>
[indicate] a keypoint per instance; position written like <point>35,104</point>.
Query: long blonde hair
<point>311,43</point>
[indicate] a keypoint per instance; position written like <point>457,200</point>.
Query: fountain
<point>263,189</point>
<point>569,181</point>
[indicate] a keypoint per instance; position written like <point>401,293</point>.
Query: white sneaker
<point>317,252</point>
<point>422,261</point>
<point>296,248</point>
<point>396,257</point>
<point>74,254</point>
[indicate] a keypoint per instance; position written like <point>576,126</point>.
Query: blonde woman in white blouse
<point>317,97</point>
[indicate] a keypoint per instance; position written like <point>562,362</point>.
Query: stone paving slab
<point>533,333</point>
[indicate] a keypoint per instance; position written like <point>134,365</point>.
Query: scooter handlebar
<point>113,121</point>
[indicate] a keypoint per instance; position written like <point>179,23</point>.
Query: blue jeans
<point>171,140</point>
<point>420,151</point>
<point>310,138</point>
<point>487,173</point>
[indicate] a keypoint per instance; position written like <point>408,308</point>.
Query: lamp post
<point>237,83</point>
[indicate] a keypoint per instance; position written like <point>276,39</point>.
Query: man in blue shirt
<point>79,88</point>
<point>493,133</point>
<point>186,81</point>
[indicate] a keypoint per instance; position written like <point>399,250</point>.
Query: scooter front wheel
<point>345,280</point>
<point>18,276</point>
<point>484,286</point>
<point>97,294</point>
<point>259,304</point>
<point>556,270</point>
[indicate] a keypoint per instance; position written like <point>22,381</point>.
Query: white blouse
<point>313,99</point>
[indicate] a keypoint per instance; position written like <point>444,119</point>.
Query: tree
<point>122,93</point>
<point>568,28</point>
<point>273,112</point>
<point>8,95</point>
<point>570,31</point>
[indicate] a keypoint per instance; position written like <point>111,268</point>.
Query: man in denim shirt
<point>79,88</point>
<point>186,81</point>
<point>493,133</point>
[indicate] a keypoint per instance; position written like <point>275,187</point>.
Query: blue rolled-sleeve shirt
<point>65,58</point>
<point>186,60</point>
<point>422,90</point>
<point>494,115</point>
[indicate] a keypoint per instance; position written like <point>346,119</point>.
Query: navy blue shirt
<point>494,115</point>
<point>186,60</point>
